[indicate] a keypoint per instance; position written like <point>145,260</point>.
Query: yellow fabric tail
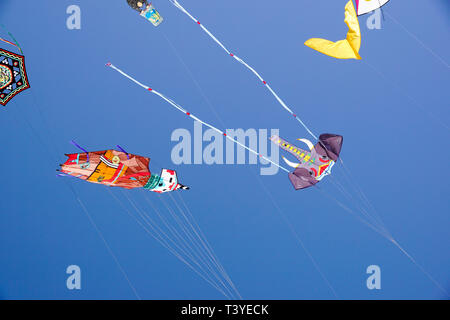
<point>343,49</point>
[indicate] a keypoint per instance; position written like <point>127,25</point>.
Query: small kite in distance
<point>146,10</point>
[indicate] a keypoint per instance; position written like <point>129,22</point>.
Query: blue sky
<point>391,108</point>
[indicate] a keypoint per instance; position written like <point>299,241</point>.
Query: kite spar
<point>231,54</point>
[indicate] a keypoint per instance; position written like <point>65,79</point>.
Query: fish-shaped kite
<point>119,169</point>
<point>13,75</point>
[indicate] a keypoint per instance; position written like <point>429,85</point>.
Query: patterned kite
<point>13,76</point>
<point>146,10</point>
<point>118,169</point>
<point>314,164</point>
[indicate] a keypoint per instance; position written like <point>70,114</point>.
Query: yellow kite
<point>343,49</point>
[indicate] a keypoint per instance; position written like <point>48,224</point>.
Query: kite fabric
<point>343,49</point>
<point>119,169</point>
<point>137,5</point>
<point>314,164</point>
<point>13,75</point>
<point>366,6</point>
<point>241,61</point>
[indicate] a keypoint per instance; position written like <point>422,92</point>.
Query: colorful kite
<point>314,164</point>
<point>13,75</point>
<point>118,169</point>
<point>343,49</point>
<point>366,6</point>
<point>146,10</point>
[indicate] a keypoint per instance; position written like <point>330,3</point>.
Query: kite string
<point>280,101</point>
<point>420,267</point>
<point>365,200</point>
<point>180,108</point>
<point>412,35</point>
<point>297,237</point>
<point>188,223</point>
<point>164,240</point>
<point>200,264</point>
<point>208,247</point>
<point>51,153</point>
<point>386,234</point>
<point>161,240</point>
<point>359,200</point>
<point>404,93</point>
<point>100,234</point>
<point>196,239</point>
<point>201,255</point>
<point>194,80</point>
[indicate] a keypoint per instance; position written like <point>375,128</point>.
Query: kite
<point>13,75</point>
<point>314,164</point>
<point>118,169</point>
<point>343,49</point>
<point>146,10</point>
<point>319,160</point>
<point>245,64</point>
<point>366,6</point>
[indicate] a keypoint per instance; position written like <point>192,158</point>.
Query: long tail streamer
<point>180,108</point>
<point>231,54</point>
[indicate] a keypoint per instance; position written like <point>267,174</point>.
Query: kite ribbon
<point>16,44</point>
<point>180,108</point>
<point>280,101</point>
<point>4,40</point>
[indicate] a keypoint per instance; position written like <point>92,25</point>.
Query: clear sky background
<point>392,109</point>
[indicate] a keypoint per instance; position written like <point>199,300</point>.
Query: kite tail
<point>180,108</point>
<point>16,44</point>
<point>280,101</point>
